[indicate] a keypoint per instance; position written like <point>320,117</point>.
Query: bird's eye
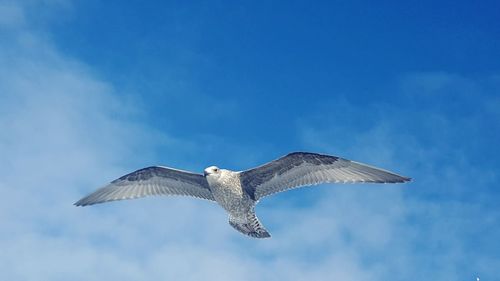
<point>216,170</point>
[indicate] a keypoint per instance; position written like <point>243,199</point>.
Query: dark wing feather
<point>301,168</point>
<point>151,181</point>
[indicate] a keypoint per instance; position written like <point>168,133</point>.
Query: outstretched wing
<point>300,169</point>
<point>151,181</point>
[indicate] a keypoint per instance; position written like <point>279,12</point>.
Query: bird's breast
<point>230,195</point>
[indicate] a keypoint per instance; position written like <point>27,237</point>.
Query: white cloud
<point>64,132</point>
<point>437,139</point>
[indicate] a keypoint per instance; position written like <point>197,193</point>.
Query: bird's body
<point>239,192</point>
<point>228,191</point>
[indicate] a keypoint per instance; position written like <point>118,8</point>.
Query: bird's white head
<point>212,170</point>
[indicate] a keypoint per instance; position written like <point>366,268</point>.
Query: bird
<point>238,192</point>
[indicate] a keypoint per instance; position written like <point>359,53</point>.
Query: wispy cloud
<point>434,132</point>
<point>64,131</point>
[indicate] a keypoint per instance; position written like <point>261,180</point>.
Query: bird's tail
<point>249,225</point>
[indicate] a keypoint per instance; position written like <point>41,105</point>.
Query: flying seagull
<point>239,192</point>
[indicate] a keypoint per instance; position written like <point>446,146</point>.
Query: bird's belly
<point>231,199</point>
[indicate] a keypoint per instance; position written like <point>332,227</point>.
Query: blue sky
<point>90,90</point>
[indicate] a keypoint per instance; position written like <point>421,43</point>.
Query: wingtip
<point>399,179</point>
<point>81,203</point>
<point>402,179</point>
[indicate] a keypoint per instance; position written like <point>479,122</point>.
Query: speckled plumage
<point>239,192</point>
<point>228,192</point>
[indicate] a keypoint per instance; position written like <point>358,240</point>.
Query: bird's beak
<point>205,173</point>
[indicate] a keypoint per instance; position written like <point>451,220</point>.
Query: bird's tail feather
<point>249,225</point>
